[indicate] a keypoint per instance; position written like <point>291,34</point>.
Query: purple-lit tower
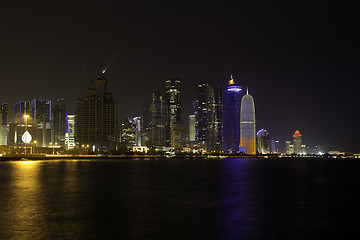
<point>231,116</point>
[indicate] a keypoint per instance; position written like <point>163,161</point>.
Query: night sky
<point>298,58</point>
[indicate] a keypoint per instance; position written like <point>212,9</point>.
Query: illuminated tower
<point>192,128</point>
<point>208,111</point>
<point>247,124</point>
<point>172,108</point>
<point>97,118</point>
<point>213,119</point>
<point>297,142</point>
<point>70,132</point>
<point>231,117</point>
<point>200,112</point>
<point>263,141</point>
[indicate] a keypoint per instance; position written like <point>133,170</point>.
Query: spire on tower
<point>231,82</point>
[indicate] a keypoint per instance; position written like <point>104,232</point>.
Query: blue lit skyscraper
<point>231,117</point>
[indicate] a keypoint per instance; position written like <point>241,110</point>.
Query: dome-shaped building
<point>263,141</point>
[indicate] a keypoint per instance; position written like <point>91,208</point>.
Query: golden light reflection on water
<point>25,209</point>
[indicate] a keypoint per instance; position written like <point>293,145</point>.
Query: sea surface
<point>234,198</point>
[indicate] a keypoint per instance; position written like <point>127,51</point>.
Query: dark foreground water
<point>180,199</point>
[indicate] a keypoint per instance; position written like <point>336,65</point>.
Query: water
<point>180,199</point>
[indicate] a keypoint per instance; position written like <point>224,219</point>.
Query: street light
<point>34,151</point>
<point>53,146</point>
<point>26,117</point>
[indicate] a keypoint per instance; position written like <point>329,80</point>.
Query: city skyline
<point>299,60</point>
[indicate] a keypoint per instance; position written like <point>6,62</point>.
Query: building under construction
<point>97,118</point>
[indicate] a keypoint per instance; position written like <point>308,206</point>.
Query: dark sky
<point>298,58</point>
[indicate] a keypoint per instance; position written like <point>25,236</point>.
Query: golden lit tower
<point>297,142</point>
<point>247,124</point>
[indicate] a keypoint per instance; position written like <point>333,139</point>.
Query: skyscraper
<point>297,142</point>
<point>207,111</point>
<point>70,132</point>
<point>59,123</point>
<point>263,141</point>
<point>200,114</point>
<point>20,109</point>
<point>146,126</point>
<point>213,119</point>
<point>136,121</point>
<point>41,119</point>
<point>231,117</point>
<point>172,108</point>
<point>97,118</point>
<point>3,123</point>
<point>247,124</point>
<point>157,108</point>
<point>192,128</point>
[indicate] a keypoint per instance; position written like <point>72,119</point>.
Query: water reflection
<point>177,199</point>
<point>23,213</point>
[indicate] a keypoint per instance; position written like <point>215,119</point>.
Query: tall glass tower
<point>231,117</point>
<point>158,132</point>
<point>247,124</point>
<point>172,108</point>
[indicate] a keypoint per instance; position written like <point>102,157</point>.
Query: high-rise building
<point>158,136</point>
<point>213,119</point>
<point>3,123</point>
<point>146,126</point>
<point>192,129</point>
<point>201,112</point>
<point>297,142</point>
<point>127,132</point>
<point>172,107</point>
<point>59,123</point>
<point>231,116</point>
<point>207,111</point>
<point>97,118</point>
<point>289,147</point>
<point>20,109</point>
<point>196,115</point>
<point>247,124</point>
<point>136,121</point>
<point>70,132</point>
<point>263,141</point>
<point>41,119</point>
<point>275,146</point>
<point>177,135</point>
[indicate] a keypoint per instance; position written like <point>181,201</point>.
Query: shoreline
<point>33,157</point>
